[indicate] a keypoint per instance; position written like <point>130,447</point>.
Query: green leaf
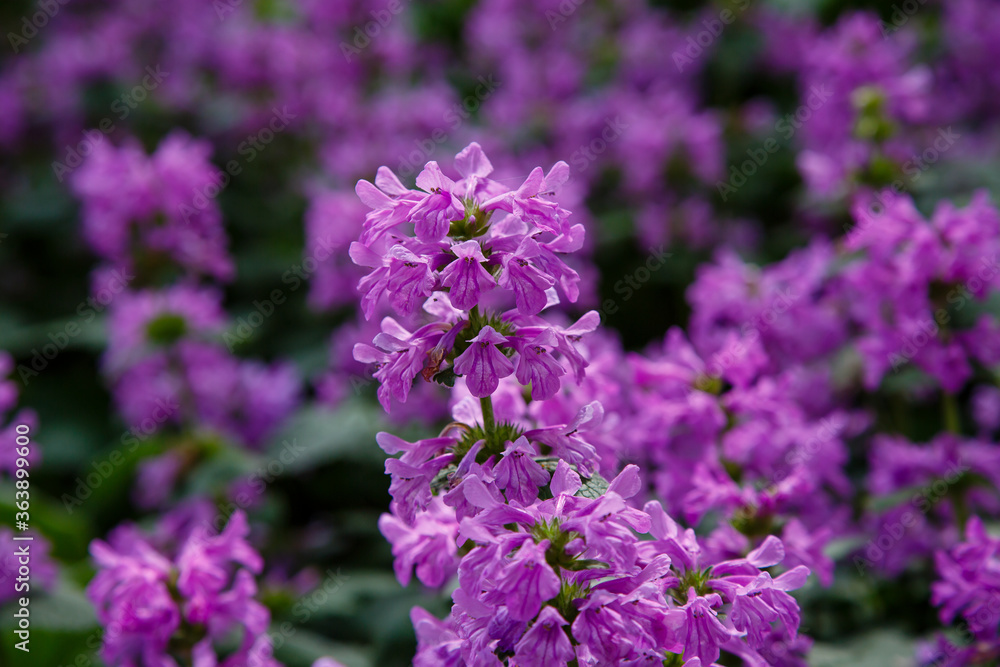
<point>881,648</point>
<point>585,564</point>
<point>317,435</point>
<point>296,647</point>
<point>593,487</point>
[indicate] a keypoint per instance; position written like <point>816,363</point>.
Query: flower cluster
<point>551,560</point>
<point>752,388</point>
<point>151,213</point>
<point>950,264</point>
<point>165,361</point>
<point>864,97</point>
<point>454,249</point>
<point>830,405</point>
<point>930,490</point>
<point>968,589</point>
<point>169,367</point>
<point>174,607</point>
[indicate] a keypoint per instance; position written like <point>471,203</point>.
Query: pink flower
<point>483,364</point>
<point>537,367</point>
<point>524,279</point>
<point>466,277</point>
<point>528,581</point>
<point>545,644</point>
<point>519,474</point>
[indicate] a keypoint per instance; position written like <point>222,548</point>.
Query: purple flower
<point>204,562</point>
<point>764,601</point>
<point>482,364</point>
<point>332,221</point>
<point>518,473</point>
<point>390,202</point>
<point>527,581</point>
<point>969,583</point>
<point>438,645</point>
<point>399,356</point>
<point>409,280</point>
<point>598,626</point>
<point>545,643</point>
<point>140,322</point>
<point>537,367</point>
<point>699,627</point>
<point>465,277</point>
<point>527,282</point>
<point>135,205</point>
<point>247,400</point>
<point>986,408</point>
<point>429,544</point>
<point>474,166</point>
<point>327,662</point>
<point>142,595</point>
<point>527,205</point>
<point>433,215</point>
<point>156,478</point>
<point>130,593</point>
<point>411,484</point>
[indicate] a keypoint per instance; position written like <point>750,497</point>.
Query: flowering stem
<point>961,510</point>
<point>951,419</point>
<point>489,423</point>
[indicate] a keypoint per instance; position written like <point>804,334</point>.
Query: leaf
<point>65,609</point>
<point>881,648</point>
<point>446,377</point>
<point>593,487</point>
<point>585,564</point>
<point>295,646</point>
<point>317,435</point>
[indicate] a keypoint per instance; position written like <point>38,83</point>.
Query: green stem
<point>489,422</point>
<point>952,422</point>
<point>961,509</point>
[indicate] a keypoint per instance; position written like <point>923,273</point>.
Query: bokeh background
<point>656,106</point>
